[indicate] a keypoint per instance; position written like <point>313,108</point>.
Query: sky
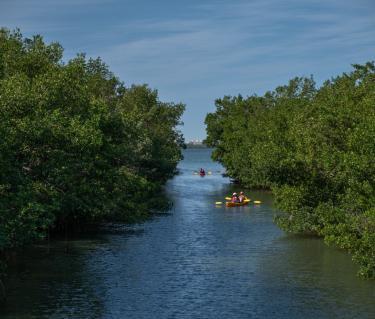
<point>197,51</point>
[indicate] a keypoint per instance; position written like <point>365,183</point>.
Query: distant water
<point>199,261</point>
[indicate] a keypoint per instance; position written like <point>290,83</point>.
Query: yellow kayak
<point>230,204</point>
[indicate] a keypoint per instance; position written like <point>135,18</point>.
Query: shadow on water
<point>43,284</point>
<point>200,260</point>
<point>313,279</point>
<point>51,281</point>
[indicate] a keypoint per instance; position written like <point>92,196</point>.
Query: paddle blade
<point>257,202</point>
<point>228,198</point>
<point>218,203</point>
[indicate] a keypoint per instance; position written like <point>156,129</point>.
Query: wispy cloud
<point>248,33</point>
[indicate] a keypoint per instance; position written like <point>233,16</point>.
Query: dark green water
<point>199,261</point>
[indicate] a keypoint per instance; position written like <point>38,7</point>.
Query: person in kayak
<point>202,172</point>
<point>234,198</point>
<point>242,197</point>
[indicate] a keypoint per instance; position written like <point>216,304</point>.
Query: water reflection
<point>50,285</point>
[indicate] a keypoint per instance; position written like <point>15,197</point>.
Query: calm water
<point>199,261</point>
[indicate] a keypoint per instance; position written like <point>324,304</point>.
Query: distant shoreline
<point>196,145</point>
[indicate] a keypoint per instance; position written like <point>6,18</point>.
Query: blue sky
<point>196,51</point>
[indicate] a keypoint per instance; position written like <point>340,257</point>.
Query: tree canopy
<point>77,144</point>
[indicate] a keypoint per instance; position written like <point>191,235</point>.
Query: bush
<point>78,146</point>
<point>315,149</point>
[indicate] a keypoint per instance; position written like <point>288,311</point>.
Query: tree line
<point>315,149</point>
<point>77,145</point>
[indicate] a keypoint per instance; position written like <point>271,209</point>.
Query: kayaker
<point>242,197</point>
<point>234,198</point>
<point>202,172</point>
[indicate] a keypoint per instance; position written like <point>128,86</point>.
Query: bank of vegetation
<point>315,148</point>
<point>77,146</point>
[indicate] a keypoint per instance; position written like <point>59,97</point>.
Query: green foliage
<point>315,149</point>
<point>77,145</point>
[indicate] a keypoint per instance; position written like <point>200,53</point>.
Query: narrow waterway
<point>198,261</point>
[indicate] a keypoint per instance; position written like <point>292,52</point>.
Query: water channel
<point>198,261</point>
